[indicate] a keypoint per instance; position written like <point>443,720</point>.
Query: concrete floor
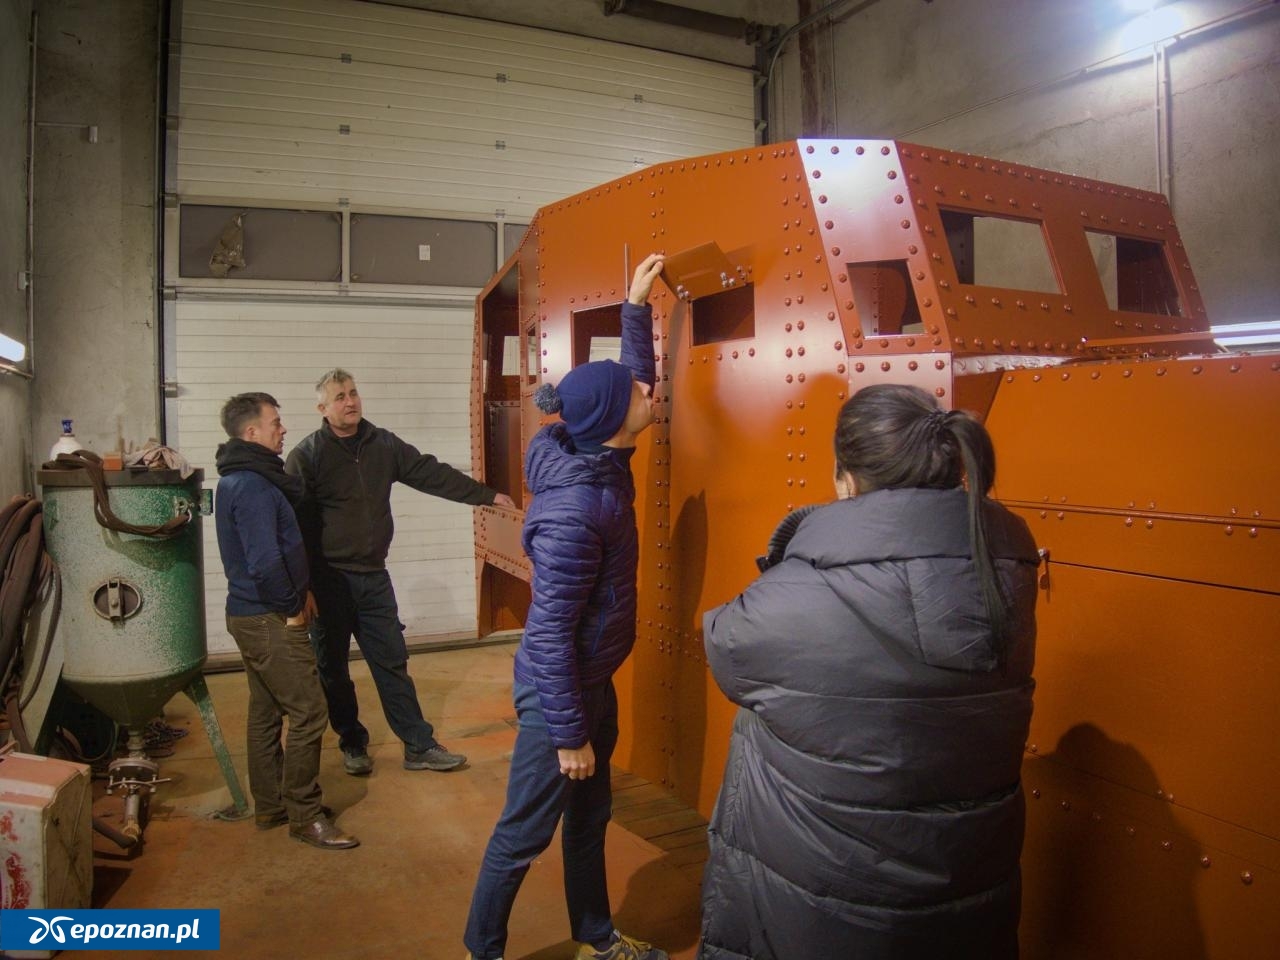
<point>404,892</point>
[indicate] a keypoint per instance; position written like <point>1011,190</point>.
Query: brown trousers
<point>281,668</point>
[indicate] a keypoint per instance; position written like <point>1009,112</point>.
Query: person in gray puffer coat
<point>871,805</point>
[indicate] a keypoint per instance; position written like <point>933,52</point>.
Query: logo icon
<point>48,927</point>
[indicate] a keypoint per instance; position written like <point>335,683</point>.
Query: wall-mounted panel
<point>264,244</point>
<point>422,250</point>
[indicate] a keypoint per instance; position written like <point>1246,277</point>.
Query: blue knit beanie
<point>592,400</point>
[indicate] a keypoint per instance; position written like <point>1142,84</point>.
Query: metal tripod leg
<point>198,691</point>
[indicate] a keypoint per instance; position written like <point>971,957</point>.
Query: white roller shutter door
<point>312,100</point>
<point>412,364</point>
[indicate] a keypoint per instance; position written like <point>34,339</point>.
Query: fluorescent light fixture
<point>12,350</point>
<point>1254,326</point>
<point>1247,341</point>
<point>1248,334</point>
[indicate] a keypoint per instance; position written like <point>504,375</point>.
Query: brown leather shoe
<point>324,834</point>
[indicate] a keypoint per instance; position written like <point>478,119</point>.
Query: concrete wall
<point>15,16</point>
<point>1005,78</point>
<point>95,263</point>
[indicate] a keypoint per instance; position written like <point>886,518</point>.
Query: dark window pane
<point>421,250</point>
<point>240,243</point>
<point>730,315</point>
<point>1135,274</point>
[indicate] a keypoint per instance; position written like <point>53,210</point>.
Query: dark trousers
<point>538,795</point>
<point>363,605</point>
<point>281,670</point>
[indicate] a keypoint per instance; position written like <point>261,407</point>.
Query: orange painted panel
<point>1144,461</point>
<point>1193,436</point>
<point>1114,870</point>
<point>1187,675</point>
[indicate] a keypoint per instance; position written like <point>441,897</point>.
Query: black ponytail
<point>979,458</point>
<point>890,436</point>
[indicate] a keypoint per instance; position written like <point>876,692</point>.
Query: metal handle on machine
<point>189,509</point>
<point>116,600</point>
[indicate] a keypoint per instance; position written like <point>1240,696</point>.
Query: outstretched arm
<point>424,472</point>
<point>637,323</point>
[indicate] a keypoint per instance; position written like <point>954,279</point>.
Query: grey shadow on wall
<point>1112,872</point>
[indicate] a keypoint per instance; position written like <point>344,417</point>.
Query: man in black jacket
<point>348,466</point>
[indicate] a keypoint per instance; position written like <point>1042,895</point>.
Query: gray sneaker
<point>622,948</point>
<point>357,762</point>
<point>435,758</point>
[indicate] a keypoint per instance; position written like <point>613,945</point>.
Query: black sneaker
<point>436,758</point>
<point>357,762</point>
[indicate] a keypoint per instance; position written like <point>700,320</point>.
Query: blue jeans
<point>538,795</point>
<point>363,605</point>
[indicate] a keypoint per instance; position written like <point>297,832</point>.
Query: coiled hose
<point>30,575</point>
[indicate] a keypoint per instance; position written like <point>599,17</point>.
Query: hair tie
<point>547,399</point>
<point>938,421</point>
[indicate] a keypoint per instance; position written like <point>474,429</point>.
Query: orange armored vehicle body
<point>1061,310</point>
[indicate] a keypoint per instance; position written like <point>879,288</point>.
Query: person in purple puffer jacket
<point>580,536</point>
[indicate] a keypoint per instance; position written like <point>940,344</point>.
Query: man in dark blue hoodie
<point>268,607</point>
<point>581,539</point>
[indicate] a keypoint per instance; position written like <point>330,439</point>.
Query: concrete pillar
<point>95,263</point>
<point>15,18</point>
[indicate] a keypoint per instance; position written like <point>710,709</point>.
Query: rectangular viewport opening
<point>500,372</point>
<point>1135,274</point>
<point>499,316</point>
<point>884,298</point>
<point>597,334</point>
<point>729,315</point>
<point>1006,252</point>
<point>532,355</point>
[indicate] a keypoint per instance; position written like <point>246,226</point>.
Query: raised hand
<point>646,272</point>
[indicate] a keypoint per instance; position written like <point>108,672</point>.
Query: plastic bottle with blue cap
<point>67,443</point>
